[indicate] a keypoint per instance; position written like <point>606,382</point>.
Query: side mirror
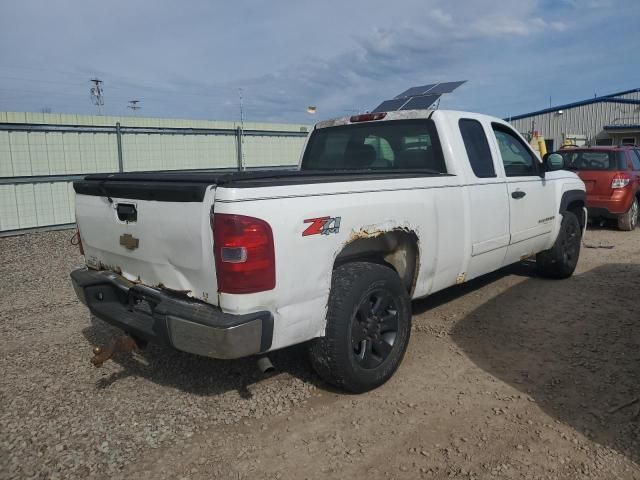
<point>553,161</point>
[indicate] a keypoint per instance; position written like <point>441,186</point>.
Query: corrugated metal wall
<point>586,120</point>
<point>41,145</point>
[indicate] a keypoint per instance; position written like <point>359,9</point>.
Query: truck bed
<point>191,186</point>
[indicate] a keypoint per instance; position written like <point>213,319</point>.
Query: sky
<point>195,58</point>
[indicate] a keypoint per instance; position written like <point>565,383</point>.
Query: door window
<point>517,158</point>
<point>475,142</point>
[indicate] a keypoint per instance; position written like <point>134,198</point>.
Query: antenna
<point>133,105</point>
<point>96,94</point>
<point>242,164</point>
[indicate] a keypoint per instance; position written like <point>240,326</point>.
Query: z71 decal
<point>322,226</point>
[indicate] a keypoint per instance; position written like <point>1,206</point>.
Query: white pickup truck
<point>384,208</point>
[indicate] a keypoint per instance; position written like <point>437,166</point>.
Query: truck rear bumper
<point>159,316</point>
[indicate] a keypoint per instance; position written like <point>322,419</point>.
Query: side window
<point>475,142</point>
<point>517,159</point>
<point>635,158</point>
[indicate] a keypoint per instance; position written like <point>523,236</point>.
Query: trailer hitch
<point>123,343</point>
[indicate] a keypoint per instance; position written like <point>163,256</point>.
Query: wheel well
<point>397,249</point>
<point>577,208</point>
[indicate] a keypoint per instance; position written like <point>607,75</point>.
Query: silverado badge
<point>129,241</point>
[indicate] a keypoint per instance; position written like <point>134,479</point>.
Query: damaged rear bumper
<point>158,316</point>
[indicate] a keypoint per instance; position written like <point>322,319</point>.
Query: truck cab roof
<point>400,115</point>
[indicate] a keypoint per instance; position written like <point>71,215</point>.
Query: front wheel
<point>368,327</point>
<point>629,221</point>
<point>560,260</point>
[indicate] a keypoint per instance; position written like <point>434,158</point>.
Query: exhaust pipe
<point>265,366</point>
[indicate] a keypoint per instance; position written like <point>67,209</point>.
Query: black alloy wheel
<point>374,328</point>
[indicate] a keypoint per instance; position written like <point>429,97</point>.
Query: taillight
<point>620,180</point>
<point>77,240</point>
<point>368,117</point>
<point>244,254</point>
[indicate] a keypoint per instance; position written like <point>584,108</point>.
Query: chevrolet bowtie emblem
<point>129,241</point>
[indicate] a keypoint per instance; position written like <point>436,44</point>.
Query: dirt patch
<point>509,376</point>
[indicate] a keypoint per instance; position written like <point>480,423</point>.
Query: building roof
<point>622,127</point>
<point>605,98</point>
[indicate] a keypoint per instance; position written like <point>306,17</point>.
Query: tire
<point>629,221</point>
<point>560,260</point>
<point>368,327</point>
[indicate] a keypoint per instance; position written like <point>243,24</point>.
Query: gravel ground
<point>510,376</point>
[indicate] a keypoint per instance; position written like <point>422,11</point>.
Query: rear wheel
<point>368,327</point>
<point>560,260</point>
<point>629,221</point>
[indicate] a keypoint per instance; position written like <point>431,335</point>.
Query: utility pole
<point>133,105</point>
<point>241,131</point>
<point>96,93</point>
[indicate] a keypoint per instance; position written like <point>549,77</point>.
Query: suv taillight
<point>244,254</point>
<point>620,180</point>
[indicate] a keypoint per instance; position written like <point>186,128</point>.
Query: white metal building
<point>607,120</point>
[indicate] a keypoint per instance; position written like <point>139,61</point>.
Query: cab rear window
<point>395,145</point>
<point>589,160</point>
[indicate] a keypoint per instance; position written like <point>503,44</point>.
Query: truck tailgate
<point>159,240</point>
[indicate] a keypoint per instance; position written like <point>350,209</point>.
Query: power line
<point>40,80</point>
<point>132,85</point>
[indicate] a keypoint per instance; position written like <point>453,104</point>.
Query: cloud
<point>188,59</point>
<point>386,60</point>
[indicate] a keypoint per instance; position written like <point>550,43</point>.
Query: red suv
<point>612,178</point>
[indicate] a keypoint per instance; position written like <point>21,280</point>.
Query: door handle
<point>518,194</point>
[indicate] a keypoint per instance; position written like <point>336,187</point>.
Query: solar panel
<point>433,88</point>
<point>413,91</point>
<point>390,105</point>
<point>446,87</point>
<point>422,102</point>
<point>418,98</point>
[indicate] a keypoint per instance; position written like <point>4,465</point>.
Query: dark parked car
<point>612,178</point>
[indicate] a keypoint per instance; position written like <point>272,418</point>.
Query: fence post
<point>119,140</point>
<point>239,149</point>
